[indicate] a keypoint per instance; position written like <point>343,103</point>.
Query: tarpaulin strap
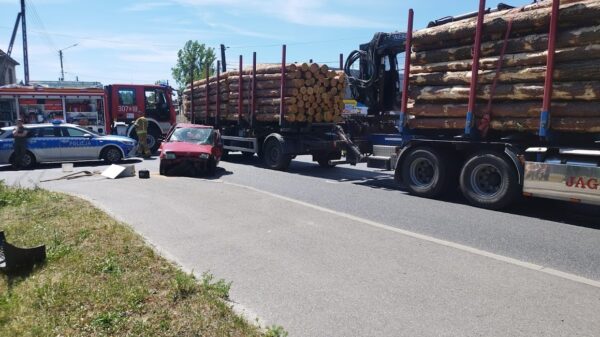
<point>72,176</point>
<point>484,124</point>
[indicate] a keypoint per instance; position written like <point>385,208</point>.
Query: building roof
<point>10,59</point>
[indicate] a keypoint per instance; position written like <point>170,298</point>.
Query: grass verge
<point>100,278</point>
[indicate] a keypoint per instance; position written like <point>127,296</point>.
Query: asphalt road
<point>325,272</point>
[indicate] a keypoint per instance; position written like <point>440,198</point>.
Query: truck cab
<point>127,102</point>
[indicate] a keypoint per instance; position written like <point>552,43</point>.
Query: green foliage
<point>218,289</point>
<point>100,279</point>
<point>13,196</point>
<point>276,331</point>
<point>193,54</point>
<point>184,285</point>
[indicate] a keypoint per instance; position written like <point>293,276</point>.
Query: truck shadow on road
<point>550,210</point>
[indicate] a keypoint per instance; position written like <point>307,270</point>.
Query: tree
<point>194,54</point>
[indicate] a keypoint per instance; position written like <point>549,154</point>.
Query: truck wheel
<point>111,155</point>
<point>153,138</point>
<point>489,181</point>
<point>426,173</point>
<point>273,155</point>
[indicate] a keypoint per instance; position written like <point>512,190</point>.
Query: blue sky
<point>131,41</point>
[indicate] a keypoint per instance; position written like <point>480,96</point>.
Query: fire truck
<point>110,109</point>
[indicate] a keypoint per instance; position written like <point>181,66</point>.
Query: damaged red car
<point>190,149</point>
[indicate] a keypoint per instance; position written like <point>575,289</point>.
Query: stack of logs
<point>441,71</point>
<point>313,94</point>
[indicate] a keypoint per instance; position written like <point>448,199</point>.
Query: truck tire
<point>274,156</point>
<point>488,180</point>
<point>154,135</point>
<point>426,173</point>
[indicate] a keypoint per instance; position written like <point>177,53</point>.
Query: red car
<point>190,148</point>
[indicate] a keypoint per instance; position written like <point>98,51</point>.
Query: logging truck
<point>277,112</point>
<point>103,109</point>
<point>499,103</point>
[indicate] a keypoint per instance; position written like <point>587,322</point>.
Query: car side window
<point>72,132</point>
<point>48,132</point>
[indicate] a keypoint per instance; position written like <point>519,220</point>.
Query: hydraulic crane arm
<point>377,81</point>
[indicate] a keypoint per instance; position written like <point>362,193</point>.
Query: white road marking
<point>505,259</point>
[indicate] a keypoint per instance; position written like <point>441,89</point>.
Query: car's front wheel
<point>111,155</point>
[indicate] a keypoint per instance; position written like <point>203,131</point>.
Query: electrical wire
<point>38,22</point>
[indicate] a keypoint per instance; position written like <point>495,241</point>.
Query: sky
<point>129,41</point>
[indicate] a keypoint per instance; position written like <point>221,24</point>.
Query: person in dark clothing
<point>20,143</point>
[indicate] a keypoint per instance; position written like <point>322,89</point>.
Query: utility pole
<point>25,54</point>
<point>60,54</point>
<point>223,62</point>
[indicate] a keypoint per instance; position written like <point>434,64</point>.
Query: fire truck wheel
<point>274,156</point>
<point>489,181</point>
<point>111,155</point>
<point>426,173</point>
<point>153,138</point>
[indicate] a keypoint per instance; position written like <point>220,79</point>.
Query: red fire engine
<point>109,109</point>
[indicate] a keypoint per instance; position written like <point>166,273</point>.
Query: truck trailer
<point>496,103</point>
<point>261,111</point>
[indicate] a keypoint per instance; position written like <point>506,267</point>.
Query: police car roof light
<point>57,121</point>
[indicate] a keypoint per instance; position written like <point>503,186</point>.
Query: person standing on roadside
<point>20,143</point>
<point>141,129</point>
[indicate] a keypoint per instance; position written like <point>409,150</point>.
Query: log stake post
<point>218,93</point>
<point>192,117</point>
<point>545,115</point>
<point>475,70</point>
<point>240,91</point>
<point>253,100</point>
<point>282,93</point>
<point>341,61</point>
<point>407,54</point>
<point>207,67</point>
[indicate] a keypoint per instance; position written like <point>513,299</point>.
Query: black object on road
<point>15,258</point>
<point>144,174</point>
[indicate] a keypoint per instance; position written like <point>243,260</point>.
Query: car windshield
<point>193,135</point>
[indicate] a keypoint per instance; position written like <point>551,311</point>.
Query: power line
<point>38,21</point>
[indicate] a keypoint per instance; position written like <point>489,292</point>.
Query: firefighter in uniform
<point>141,129</point>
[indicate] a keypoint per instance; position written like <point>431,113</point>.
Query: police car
<point>57,142</point>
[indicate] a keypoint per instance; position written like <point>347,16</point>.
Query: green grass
<point>101,279</point>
